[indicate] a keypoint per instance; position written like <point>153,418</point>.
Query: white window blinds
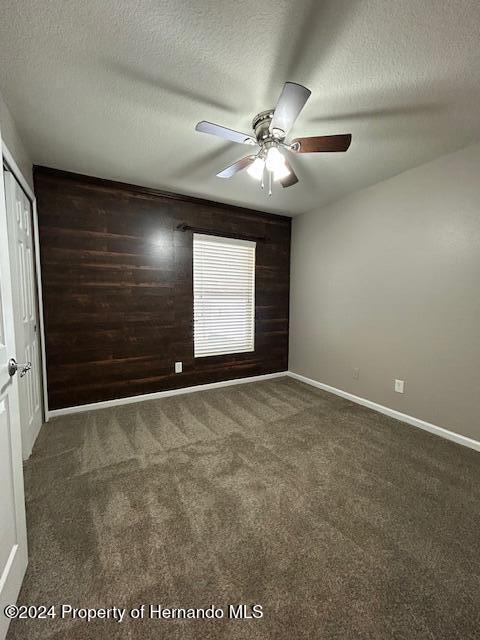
<point>224,295</point>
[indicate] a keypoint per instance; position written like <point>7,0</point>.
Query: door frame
<point>14,571</point>
<point>9,161</point>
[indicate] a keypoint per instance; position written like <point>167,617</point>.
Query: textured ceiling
<point>114,88</point>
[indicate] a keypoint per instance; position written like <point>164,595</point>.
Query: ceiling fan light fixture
<point>274,160</point>
<point>255,170</point>
<point>281,172</point>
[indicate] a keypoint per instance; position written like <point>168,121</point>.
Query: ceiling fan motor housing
<point>261,126</point>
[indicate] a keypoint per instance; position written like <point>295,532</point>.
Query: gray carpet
<point>342,523</point>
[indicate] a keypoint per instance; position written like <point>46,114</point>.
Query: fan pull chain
<point>269,183</point>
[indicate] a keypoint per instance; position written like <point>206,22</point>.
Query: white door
<point>19,219</point>
<point>13,534</point>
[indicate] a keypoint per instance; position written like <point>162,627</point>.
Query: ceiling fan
<point>270,129</point>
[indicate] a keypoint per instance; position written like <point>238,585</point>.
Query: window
<point>223,295</point>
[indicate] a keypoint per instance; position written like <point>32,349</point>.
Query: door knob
<point>13,367</point>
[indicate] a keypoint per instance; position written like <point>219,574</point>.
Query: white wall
<point>388,280</point>
<point>11,138</point>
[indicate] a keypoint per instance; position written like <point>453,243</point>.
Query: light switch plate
<point>178,367</point>
<point>400,386</point>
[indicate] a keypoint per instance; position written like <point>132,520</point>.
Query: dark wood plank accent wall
<point>118,288</point>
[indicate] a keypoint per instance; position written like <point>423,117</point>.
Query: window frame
<point>232,241</point>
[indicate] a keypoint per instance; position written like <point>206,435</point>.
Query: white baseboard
<point>162,394</point>
<point>403,417</point>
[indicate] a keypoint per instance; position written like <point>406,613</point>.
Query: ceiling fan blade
<point>237,166</point>
<point>223,132</point>
<point>321,143</point>
<point>290,103</point>
<point>291,179</point>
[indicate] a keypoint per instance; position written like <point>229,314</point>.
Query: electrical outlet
<point>356,373</point>
<point>178,367</point>
<point>399,386</point>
